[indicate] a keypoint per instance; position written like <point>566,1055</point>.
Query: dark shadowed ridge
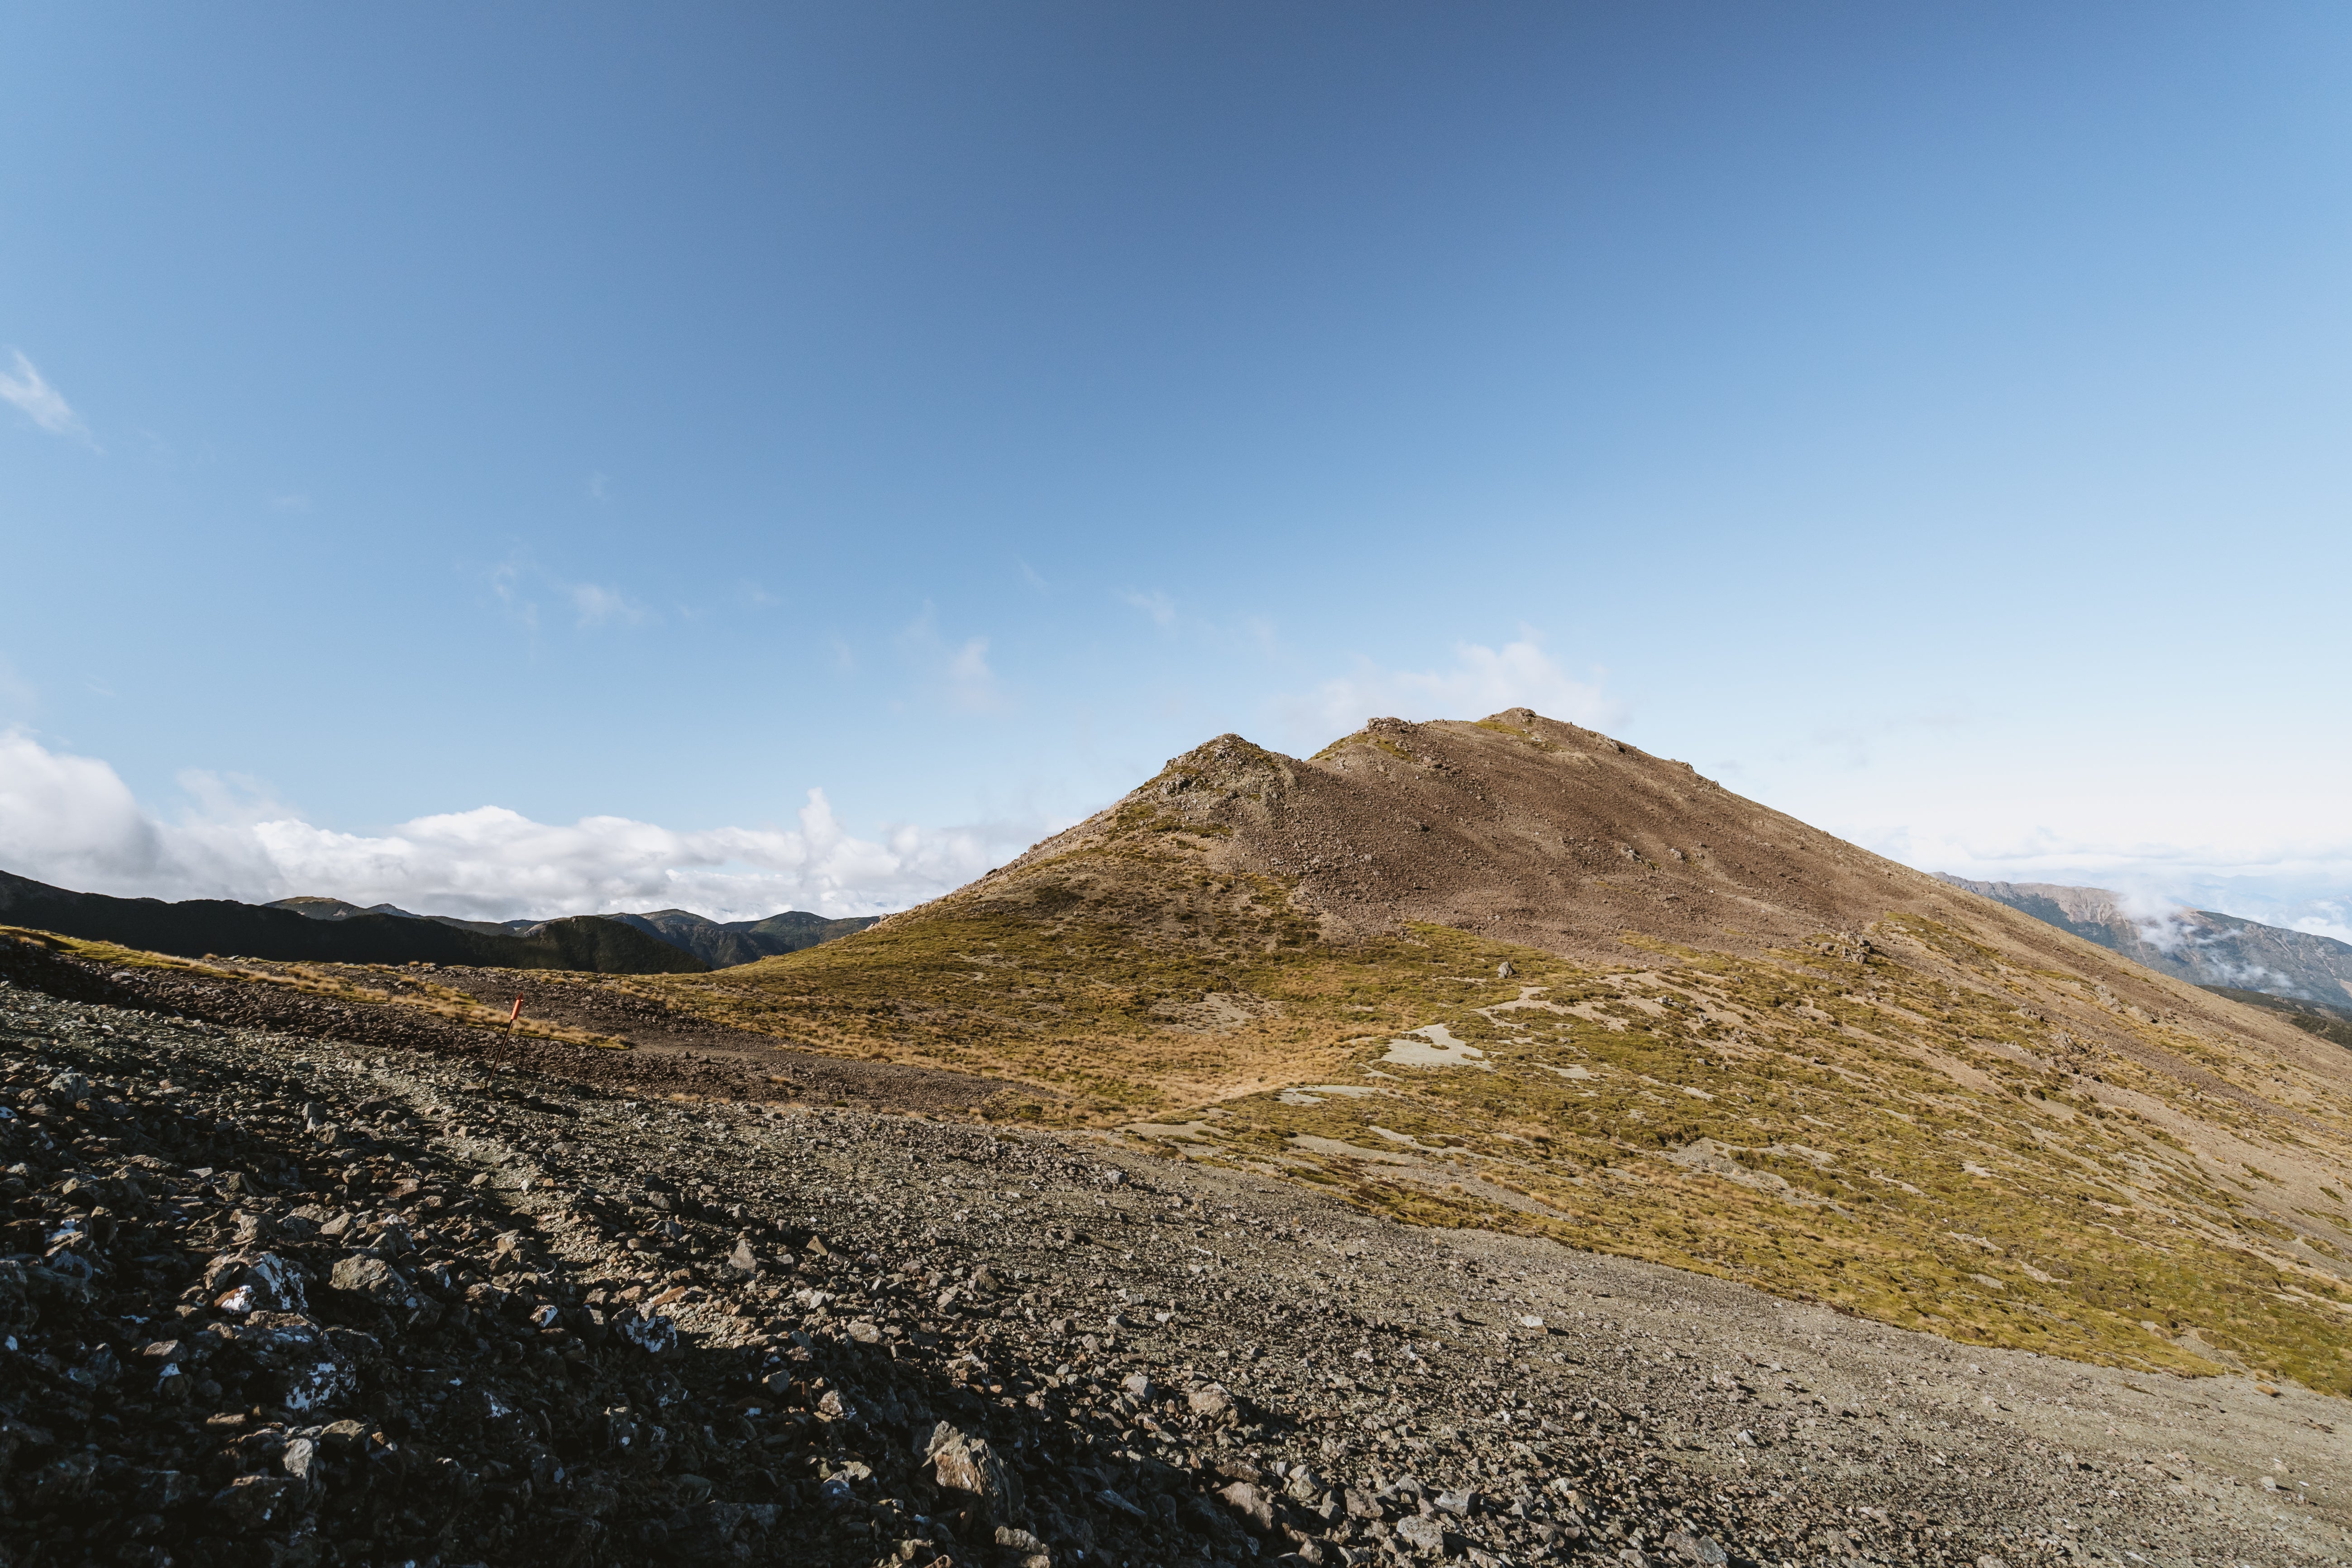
<point>721,944</point>
<point>724,945</point>
<point>197,927</point>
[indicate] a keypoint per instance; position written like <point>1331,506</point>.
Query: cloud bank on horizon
<point>2296,884</point>
<point>71,821</point>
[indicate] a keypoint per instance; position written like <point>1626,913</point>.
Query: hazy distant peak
<point>2202,946</point>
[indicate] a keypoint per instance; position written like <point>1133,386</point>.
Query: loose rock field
<point>273,1299</point>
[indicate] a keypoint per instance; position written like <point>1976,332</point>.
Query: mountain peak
<point>1516,826</point>
<point>1516,973</point>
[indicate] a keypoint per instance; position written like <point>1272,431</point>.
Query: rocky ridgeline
<point>276,1299</point>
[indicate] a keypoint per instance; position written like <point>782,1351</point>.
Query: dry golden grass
<point>346,983</point>
<point>1918,1131</point>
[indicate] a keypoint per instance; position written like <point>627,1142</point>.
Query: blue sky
<point>507,459</point>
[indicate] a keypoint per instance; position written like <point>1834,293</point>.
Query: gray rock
<point>302,1461</point>
<point>1024,1548</point>
<point>344,1440</point>
<point>256,1282</point>
<point>1254,1505</point>
<point>968,1465</point>
<point>652,1334</point>
<point>59,1482</point>
<point>1212,1403</point>
<point>1112,1499</point>
<point>378,1281</point>
<point>156,1490</point>
<point>1693,1548</point>
<point>250,1503</point>
<point>1424,1533</point>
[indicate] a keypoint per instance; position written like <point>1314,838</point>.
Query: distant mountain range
<point>320,909</point>
<point>719,944</point>
<point>723,946</point>
<point>2219,952</point>
<point>198,927</point>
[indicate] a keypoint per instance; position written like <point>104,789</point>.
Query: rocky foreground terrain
<point>274,1299</point>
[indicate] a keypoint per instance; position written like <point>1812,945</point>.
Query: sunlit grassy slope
<point>1918,1120</point>
<point>350,984</point>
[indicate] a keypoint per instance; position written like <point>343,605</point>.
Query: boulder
<point>968,1465</point>
<point>1250,1503</point>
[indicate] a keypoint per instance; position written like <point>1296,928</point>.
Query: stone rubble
<point>271,1300</point>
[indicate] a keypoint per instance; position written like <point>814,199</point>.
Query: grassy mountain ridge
<point>2334,1024</point>
<point>717,943</point>
<point>723,944</point>
<point>1514,973</point>
<point>320,909</point>
<point>194,927</point>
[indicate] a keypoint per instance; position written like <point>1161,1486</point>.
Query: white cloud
<point>971,685</point>
<point>594,605</point>
<point>72,822</point>
<point>44,404</point>
<point>2297,883</point>
<point>961,676</point>
<point>2333,920</point>
<point>1481,680</point>
<point>1156,604</point>
<point>507,582</point>
<point>519,584</point>
<point>71,817</point>
<point>2144,869</point>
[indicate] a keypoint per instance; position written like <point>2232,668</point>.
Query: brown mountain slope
<point>1724,1040</point>
<point>1517,828</point>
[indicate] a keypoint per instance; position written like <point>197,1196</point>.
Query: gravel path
<point>282,1299</point>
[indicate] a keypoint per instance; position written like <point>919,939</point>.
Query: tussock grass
<point>1909,1136</point>
<point>392,987</point>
